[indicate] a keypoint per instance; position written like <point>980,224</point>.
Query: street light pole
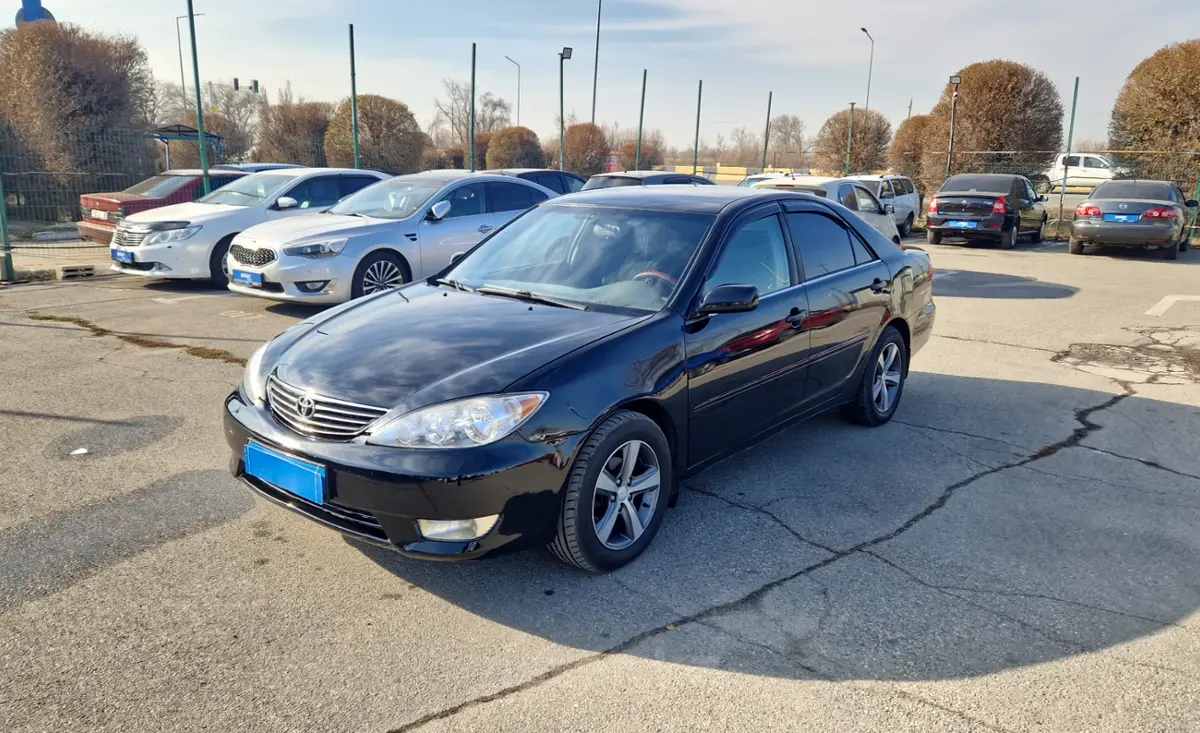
<point>849,141</point>
<point>637,164</point>
<point>870,69</point>
<point>514,63</point>
<point>179,42</point>
<point>199,107</point>
<point>354,102</point>
<point>955,80</point>
<point>596,68</point>
<point>767,132</point>
<point>563,55</point>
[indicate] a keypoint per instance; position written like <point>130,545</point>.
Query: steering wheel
<point>664,277</point>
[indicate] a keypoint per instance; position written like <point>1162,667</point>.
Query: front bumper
<point>1137,234</point>
<point>280,279</point>
<point>185,259</point>
<point>985,227</point>
<point>376,494</point>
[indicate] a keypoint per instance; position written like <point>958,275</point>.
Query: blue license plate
<point>249,279</point>
<point>119,255</point>
<point>962,224</point>
<point>301,478</point>
<point>1122,218</point>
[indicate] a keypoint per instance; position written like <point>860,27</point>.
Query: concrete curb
<point>62,272</point>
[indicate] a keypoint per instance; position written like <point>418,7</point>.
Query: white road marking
<point>1168,301</point>
<point>242,315</point>
<point>168,301</point>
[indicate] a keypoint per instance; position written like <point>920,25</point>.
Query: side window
<point>677,181</point>
<point>536,196</point>
<point>1094,163</point>
<point>824,244</point>
<point>215,181</point>
<point>908,185</point>
<point>867,203</point>
<point>885,190</point>
<point>1029,192</point>
<point>846,197</point>
<point>465,201</point>
<point>756,255</point>
<point>571,184</point>
<point>316,193</point>
<point>353,184</point>
<point>1073,161</point>
<point>549,180</point>
<point>862,255</point>
<point>504,197</point>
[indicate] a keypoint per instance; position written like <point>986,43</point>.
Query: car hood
<point>425,344</point>
<point>313,227</point>
<point>193,212</point>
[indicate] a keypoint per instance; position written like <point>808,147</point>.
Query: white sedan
<point>191,240</point>
<point>847,192</point>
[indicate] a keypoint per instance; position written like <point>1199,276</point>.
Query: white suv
<point>900,192</point>
<point>1080,171</point>
<point>191,240</point>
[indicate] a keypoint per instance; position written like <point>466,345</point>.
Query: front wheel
<point>378,271</point>
<point>218,264</point>
<point>616,494</point>
<point>882,382</point>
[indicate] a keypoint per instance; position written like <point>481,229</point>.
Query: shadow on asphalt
<point>971,284</point>
<point>917,551</point>
<point>1190,257</point>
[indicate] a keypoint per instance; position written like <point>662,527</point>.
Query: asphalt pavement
<point>1019,550</point>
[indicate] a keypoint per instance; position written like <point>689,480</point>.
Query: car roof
<point>642,174</point>
<point>519,171</point>
<point>197,172</point>
<point>298,172</point>
<point>993,176</point>
<point>448,175</point>
<point>698,199</point>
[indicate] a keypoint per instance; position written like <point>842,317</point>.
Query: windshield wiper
<point>527,295</point>
<point>455,284</point>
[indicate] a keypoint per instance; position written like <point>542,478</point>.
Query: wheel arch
<point>901,325</point>
<point>392,250</point>
<point>658,414</point>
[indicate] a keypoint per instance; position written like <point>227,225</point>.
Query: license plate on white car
<point>249,279</point>
<point>120,255</point>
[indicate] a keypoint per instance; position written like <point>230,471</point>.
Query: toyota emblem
<point>305,406</point>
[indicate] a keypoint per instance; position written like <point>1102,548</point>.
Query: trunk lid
<point>970,204</point>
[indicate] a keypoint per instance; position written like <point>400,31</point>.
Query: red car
<point>103,211</point>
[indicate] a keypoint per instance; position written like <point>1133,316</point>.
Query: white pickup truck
<point>1080,171</point>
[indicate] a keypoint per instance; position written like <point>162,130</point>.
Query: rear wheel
<point>882,382</point>
<point>1008,240</point>
<point>1171,252</point>
<point>1185,244</point>
<point>906,227</point>
<point>1074,246</point>
<point>616,495</point>
<point>933,237</point>
<point>1040,235</point>
<point>378,271</point>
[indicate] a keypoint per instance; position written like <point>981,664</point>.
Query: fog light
<point>160,267</point>
<point>456,530</point>
<point>315,286</point>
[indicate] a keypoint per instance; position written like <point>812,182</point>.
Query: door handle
<point>795,319</point>
<point>879,287</point>
<point>485,229</point>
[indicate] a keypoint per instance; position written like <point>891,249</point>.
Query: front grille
<point>144,266</point>
<point>253,257</point>
<point>326,418</point>
<point>354,522</point>
<point>126,237</point>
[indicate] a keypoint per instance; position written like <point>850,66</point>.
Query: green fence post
<point>472,107</point>
<point>1062,190</point>
<point>354,102</point>
<point>637,165</point>
<point>199,102</point>
<point>849,141</point>
<point>8,275</point>
<point>767,133</point>
<point>696,148</point>
<point>1195,211</point>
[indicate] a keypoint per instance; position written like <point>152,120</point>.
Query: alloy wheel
<point>626,495</point>
<point>382,275</point>
<point>886,383</point>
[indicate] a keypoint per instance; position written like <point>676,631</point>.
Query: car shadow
<point>972,284</point>
<point>1190,257</point>
<point>295,310</point>
<point>969,536</point>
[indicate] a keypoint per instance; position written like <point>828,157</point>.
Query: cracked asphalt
<point>1019,550</point>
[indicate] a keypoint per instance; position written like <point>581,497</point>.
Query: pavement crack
<point>761,509</point>
<point>148,342</point>
<point>899,692</point>
<point>1144,462</point>
<point>962,433</point>
<point>766,647</point>
<point>1086,426</point>
<point>995,343</point>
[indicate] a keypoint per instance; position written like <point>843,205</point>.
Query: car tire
<point>887,369</point>
<point>1185,244</point>
<point>1008,240</point>
<point>1040,235</point>
<point>906,227</point>
<point>218,265</point>
<point>1074,246</point>
<point>933,237</point>
<point>1171,252</point>
<point>589,509</point>
<point>380,270</point>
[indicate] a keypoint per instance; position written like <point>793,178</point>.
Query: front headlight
<point>460,424</point>
<point>328,248</point>
<point>253,384</point>
<point>166,236</point>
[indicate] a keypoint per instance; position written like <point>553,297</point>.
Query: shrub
<point>389,138</point>
<point>1158,109</point>
<point>586,149</point>
<point>872,133</point>
<point>908,146</point>
<point>293,131</point>
<point>515,147</point>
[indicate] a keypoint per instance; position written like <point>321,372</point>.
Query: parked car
<point>255,167</point>
<point>1141,214</point>
<point>848,192</point>
<point>102,212</point>
<point>749,181</point>
<point>986,207</point>
<point>1079,171</point>
<point>556,181</point>
<point>644,178</point>
<point>378,239</point>
<point>191,240</point>
<point>898,191</point>
<point>557,383</point>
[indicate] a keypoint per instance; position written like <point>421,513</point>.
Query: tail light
<point>1161,213</point>
<point>933,205</point>
<point>1001,206</point>
<point>1087,211</point>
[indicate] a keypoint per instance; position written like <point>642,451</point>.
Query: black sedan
<point>555,384</point>
<point>986,207</point>
<point>1141,214</point>
<point>644,178</point>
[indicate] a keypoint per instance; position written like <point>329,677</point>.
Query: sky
<point>811,54</point>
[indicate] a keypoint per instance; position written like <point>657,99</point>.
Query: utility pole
<point>637,166</point>
<point>849,141</point>
<point>1062,190</point>
<point>354,102</point>
<point>199,104</point>
<point>955,80</point>
<point>472,107</point>
<point>563,55</point>
<point>7,264</point>
<point>909,109</point>
<point>514,63</point>
<point>767,133</point>
<point>870,69</point>
<point>596,68</point>
<point>179,42</point>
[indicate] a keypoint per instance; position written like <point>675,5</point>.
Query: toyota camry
<point>554,384</point>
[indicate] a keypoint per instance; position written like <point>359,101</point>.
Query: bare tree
<point>293,130</point>
<point>453,113</point>
<point>492,113</point>
<point>787,142</point>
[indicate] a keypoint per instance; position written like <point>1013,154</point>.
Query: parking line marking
<point>1169,300</point>
<point>168,301</point>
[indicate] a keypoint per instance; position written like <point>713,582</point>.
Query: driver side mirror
<point>438,211</point>
<point>1191,203</point>
<point>889,209</point>
<point>729,299</point>
<point>456,257</point>
<point>1043,199</point>
<point>286,202</point>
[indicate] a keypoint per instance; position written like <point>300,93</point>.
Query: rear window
<point>1133,190</point>
<point>983,184</point>
<point>160,186</point>
<point>610,182</point>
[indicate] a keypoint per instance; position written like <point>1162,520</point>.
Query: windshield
<point>398,198</point>
<point>1133,190</point>
<point>620,258</point>
<point>159,186</point>
<point>249,190</point>
<point>610,182</point>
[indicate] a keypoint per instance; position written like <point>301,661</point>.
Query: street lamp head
<point>566,53</point>
<point>956,80</point>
